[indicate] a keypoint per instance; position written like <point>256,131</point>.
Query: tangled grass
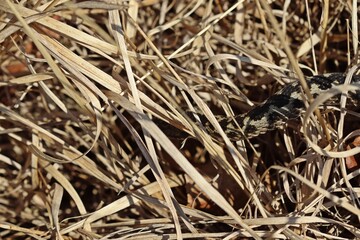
<point>83,81</point>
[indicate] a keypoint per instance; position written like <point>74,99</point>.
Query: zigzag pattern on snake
<point>284,105</point>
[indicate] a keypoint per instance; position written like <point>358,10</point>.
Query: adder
<point>276,110</point>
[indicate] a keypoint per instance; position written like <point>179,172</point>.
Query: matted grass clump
<point>98,139</point>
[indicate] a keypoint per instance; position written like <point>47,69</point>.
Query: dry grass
<point>81,158</point>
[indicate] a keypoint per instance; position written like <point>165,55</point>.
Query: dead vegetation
<point>82,82</point>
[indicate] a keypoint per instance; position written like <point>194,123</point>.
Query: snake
<point>284,105</point>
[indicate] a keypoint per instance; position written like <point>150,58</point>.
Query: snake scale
<point>276,110</point>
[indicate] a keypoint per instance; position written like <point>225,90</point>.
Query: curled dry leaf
<point>353,162</point>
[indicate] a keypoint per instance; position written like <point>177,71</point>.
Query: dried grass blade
<point>61,179</point>
<point>59,27</point>
<point>31,78</point>
<point>81,65</point>
<point>168,146</point>
<point>325,193</point>
<point>59,74</point>
<point>55,207</point>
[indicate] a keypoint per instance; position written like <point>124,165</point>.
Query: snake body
<point>276,110</point>
<point>286,104</point>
